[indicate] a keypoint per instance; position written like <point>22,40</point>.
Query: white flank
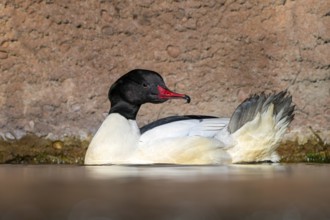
<point>182,150</point>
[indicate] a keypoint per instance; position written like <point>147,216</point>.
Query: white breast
<point>114,142</point>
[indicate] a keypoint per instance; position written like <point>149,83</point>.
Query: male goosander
<point>252,134</point>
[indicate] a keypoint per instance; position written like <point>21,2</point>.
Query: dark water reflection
<point>261,191</point>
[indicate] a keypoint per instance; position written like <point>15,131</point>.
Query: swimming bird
<point>252,134</point>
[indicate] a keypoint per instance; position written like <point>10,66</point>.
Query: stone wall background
<point>59,57</point>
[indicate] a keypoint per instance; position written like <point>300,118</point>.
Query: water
<point>262,191</point>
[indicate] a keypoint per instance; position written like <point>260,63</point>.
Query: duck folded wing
<point>182,126</point>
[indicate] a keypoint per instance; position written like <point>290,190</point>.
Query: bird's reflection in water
<point>188,173</point>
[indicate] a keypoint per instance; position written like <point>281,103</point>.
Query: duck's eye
<point>145,85</point>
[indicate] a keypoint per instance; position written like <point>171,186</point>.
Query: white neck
<point>114,142</point>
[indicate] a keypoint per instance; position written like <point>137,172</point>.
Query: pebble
<point>31,124</point>
<point>173,51</point>
<point>3,55</point>
<point>108,30</point>
<point>58,145</point>
<point>10,136</point>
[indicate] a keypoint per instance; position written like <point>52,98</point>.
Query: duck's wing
<point>183,126</point>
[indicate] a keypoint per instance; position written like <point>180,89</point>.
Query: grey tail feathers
<point>249,108</point>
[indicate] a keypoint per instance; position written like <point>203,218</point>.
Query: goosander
<point>252,134</point>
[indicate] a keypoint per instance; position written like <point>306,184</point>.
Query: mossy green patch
<point>32,149</point>
<point>313,151</point>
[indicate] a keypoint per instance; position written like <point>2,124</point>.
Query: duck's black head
<point>138,87</point>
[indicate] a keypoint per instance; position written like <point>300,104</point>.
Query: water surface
<point>259,191</point>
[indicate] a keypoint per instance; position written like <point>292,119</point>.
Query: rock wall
<point>58,59</point>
